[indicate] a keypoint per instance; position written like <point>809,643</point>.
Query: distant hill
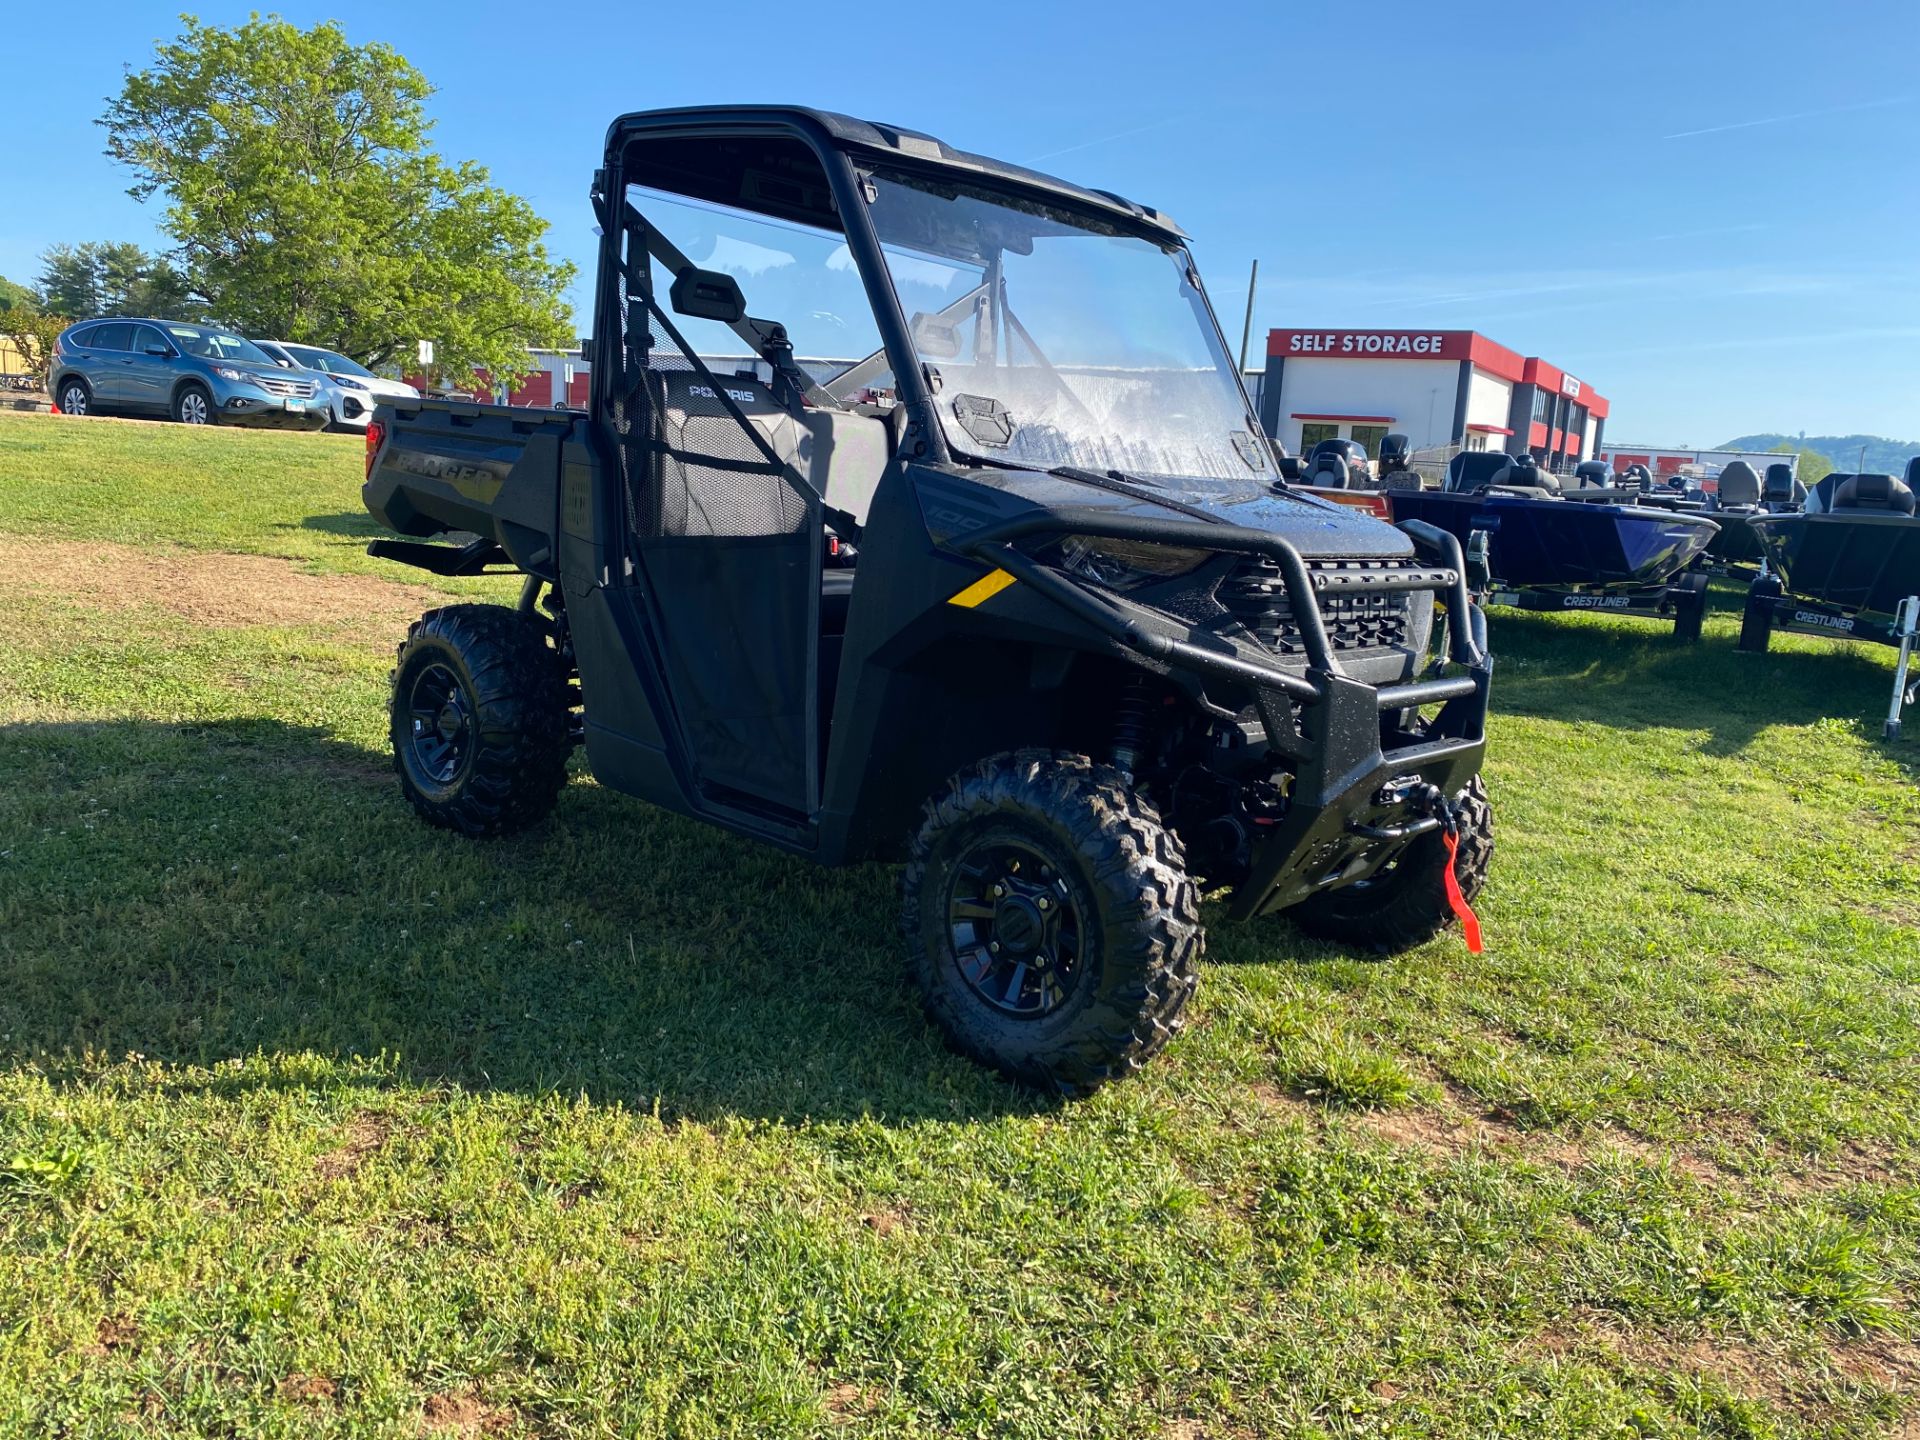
<point>1884,456</point>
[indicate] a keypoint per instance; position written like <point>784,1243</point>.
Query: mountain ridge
<point>1883,456</point>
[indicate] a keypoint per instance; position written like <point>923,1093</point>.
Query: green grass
<point>313,1121</point>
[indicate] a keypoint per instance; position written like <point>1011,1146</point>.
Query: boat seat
<point>1329,472</point>
<point>1523,472</point>
<point>1913,474</point>
<point>1739,487</point>
<point>1780,491</point>
<point>1592,475</point>
<point>1880,493</point>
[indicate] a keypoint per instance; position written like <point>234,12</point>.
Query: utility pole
<point>1246,329</point>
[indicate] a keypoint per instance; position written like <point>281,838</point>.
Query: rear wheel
<point>479,720</point>
<point>192,405</point>
<point>1405,902</point>
<point>75,397</point>
<point>1051,925</point>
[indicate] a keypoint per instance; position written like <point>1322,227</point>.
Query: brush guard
<point>1351,805</point>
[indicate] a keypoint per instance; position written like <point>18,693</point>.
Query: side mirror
<point>165,352</point>
<point>707,295</point>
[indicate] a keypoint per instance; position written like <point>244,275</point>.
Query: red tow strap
<point>1469,922</point>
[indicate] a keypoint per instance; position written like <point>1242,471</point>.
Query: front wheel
<point>479,720</point>
<point>1405,902</point>
<point>193,406</point>
<point>1051,925</point>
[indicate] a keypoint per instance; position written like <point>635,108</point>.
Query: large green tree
<point>309,206</point>
<point>114,279</point>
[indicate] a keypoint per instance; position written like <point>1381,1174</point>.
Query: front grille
<point>287,387</point>
<point>1256,596</point>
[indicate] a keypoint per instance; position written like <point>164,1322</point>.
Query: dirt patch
<point>1459,1124</point>
<point>114,1332</point>
<point>845,1402</point>
<point>462,1415</point>
<point>209,588</point>
<point>312,1389</point>
<point>885,1222</point>
<point>1734,1364</point>
<point>1890,1364</point>
<point>365,1135</point>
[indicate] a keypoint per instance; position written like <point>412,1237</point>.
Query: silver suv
<point>198,374</point>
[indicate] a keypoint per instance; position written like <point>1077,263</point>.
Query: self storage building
<point>1437,387</point>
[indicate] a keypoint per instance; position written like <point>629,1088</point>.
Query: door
<point>724,474</point>
<point>148,377</point>
<point>108,361</point>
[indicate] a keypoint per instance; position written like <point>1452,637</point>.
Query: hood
<point>1317,528</point>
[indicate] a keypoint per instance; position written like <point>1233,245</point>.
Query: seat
<point>837,452</point>
<point>1913,474</point>
<point>1329,472</point>
<point>1780,492</point>
<point>1593,475</point>
<point>1877,493</point>
<point>1739,487</point>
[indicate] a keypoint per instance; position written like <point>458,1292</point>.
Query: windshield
<point>217,345</point>
<point>1058,340</point>
<point>314,359</point>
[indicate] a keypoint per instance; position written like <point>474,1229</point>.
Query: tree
<point>115,279</point>
<point>309,206</point>
<point>1813,466</point>
<point>32,331</point>
<point>12,294</point>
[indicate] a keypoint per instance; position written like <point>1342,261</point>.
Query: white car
<point>350,388</point>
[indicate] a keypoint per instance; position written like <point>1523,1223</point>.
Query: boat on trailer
<point>1553,547</point>
<point>1846,564</point>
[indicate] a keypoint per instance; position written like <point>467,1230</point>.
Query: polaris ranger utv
<point>1011,589</point>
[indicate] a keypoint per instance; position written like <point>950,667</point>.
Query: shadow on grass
<point>1631,676</point>
<point>356,524</point>
<point>197,893</point>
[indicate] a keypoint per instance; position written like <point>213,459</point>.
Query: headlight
<point>239,377</point>
<point>347,382</point>
<point>1125,564</point>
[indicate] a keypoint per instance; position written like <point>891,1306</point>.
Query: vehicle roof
<point>877,138</point>
<point>153,320</point>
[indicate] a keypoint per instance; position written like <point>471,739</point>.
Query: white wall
<point>1489,401</point>
<point>1408,390</point>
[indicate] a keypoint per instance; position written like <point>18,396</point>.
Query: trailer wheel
<point>478,720</point>
<point>1050,922</point>
<point>1399,907</point>
<point>1756,621</point>
<point>1689,607</point>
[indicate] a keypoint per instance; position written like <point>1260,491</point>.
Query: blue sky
<point>1710,210</point>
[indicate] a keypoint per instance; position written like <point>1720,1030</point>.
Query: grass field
<point>315,1122</point>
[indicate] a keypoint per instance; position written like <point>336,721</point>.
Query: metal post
<point>1906,624</point>
<point>1246,329</point>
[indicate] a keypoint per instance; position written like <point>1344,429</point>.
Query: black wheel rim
<point>440,724</point>
<point>1017,932</point>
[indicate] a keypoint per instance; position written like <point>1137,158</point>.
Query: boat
<point>1539,535</point>
<point>1847,564</point>
<point>1855,547</point>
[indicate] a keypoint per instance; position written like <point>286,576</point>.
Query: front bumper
<point>238,404</point>
<point>1349,743</point>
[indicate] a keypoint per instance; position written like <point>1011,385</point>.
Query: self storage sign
<point>1373,344</point>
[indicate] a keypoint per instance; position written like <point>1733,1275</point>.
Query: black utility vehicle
<point>1009,588</point>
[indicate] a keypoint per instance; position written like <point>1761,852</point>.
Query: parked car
<point>351,389</point>
<point>198,374</point>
